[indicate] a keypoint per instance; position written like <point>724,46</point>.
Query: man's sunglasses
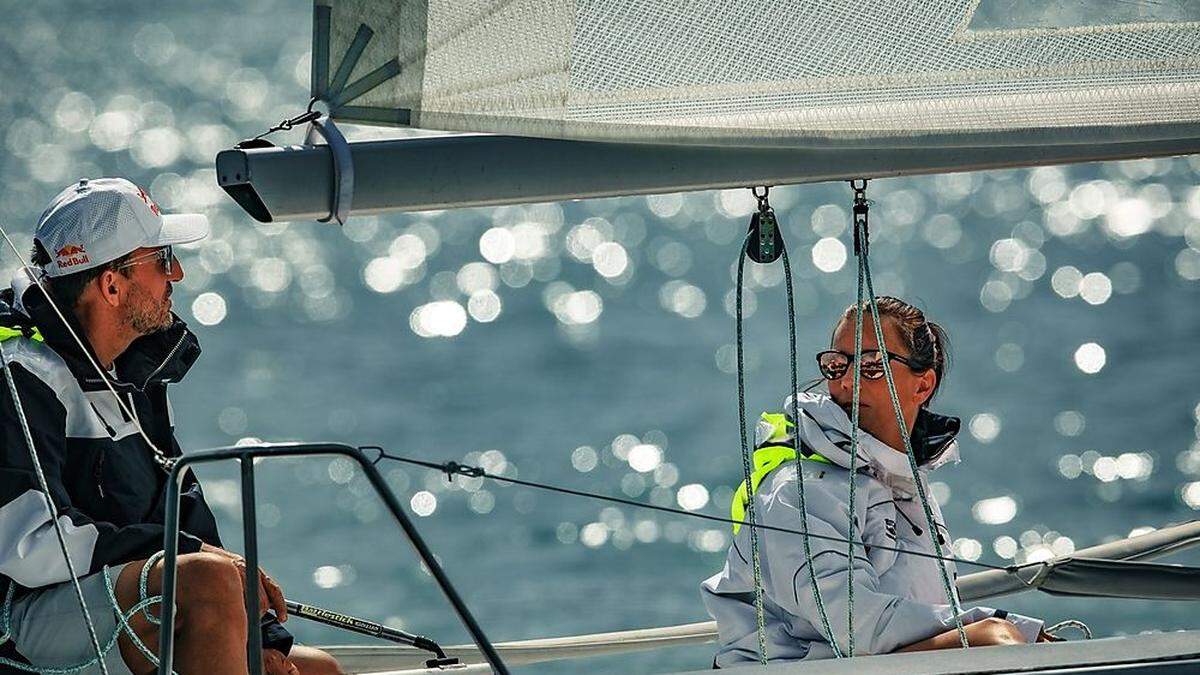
<point>835,364</point>
<point>163,255</point>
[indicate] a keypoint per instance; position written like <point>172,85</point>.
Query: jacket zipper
<point>167,359</point>
<point>99,480</point>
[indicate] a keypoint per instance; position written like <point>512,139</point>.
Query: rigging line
<point>159,458</point>
<point>51,508</point>
<point>855,415</point>
<point>759,607</point>
<point>951,597</point>
<point>812,572</point>
<point>452,469</point>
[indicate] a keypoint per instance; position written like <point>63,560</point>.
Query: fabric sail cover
<point>888,74</point>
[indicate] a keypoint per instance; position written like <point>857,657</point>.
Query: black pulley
<point>765,243</point>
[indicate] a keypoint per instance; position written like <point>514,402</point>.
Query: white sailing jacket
<point>898,599</point>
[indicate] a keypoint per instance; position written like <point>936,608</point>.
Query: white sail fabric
<point>798,73</point>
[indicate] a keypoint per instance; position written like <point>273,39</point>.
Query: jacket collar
<point>822,426</point>
<point>158,358</point>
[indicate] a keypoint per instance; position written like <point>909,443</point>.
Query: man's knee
<point>312,661</point>
<point>209,579</point>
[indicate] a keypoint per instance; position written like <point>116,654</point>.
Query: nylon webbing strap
<point>343,167</point>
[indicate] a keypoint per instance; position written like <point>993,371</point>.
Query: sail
<point>773,73</point>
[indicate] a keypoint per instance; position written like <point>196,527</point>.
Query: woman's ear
<point>926,385</point>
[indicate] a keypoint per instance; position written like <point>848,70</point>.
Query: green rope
<point>854,414</point>
<point>760,618</point>
<point>759,613</point>
<point>144,602</point>
<point>912,460</point>
<point>808,557</point>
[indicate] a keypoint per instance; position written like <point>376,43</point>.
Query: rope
<point>861,251</point>
<point>144,602</point>
<point>759,613</point>
<point>1054,630</point>
<point>812,572</point>
<point>854,414</point>
<point>456,469</point>
<point>51,510</point>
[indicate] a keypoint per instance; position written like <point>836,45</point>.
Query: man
<point>92,385</point>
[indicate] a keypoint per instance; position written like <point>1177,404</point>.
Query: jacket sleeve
<point>883,622</point>
<point>29,548</point>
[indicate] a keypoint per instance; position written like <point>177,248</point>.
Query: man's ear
<point>111,287</point>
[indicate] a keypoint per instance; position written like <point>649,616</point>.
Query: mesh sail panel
<point>784,73</point>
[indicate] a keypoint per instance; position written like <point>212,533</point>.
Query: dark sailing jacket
<point>108,489</point>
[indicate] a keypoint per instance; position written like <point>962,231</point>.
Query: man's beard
<point>147,315</point>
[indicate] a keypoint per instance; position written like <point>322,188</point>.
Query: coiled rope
<point>145,600</point>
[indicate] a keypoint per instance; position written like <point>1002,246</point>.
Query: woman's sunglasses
<point>164,256</point>
<point>835,364</point>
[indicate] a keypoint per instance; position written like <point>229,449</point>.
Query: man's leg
<point>210,619</point>
<point>313,661</point>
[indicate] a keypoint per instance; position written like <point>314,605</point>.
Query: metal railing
<point>246,455</point>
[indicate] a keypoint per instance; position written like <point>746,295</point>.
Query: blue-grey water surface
<point>589,344</point>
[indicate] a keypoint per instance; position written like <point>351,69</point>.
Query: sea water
<point>590,345</point>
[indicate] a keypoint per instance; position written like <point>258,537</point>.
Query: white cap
<point>94,222</point>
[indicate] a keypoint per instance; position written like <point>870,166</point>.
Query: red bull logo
<point>149,202</point>
<point>71,255</point>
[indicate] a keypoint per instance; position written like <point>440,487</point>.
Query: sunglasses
<point>834,364</point>
<point>164,256</point>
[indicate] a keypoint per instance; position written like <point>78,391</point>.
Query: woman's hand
<point>270,595</point>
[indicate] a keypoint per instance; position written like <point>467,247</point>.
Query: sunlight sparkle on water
<point>1190,494</point>
<point>584,459</point>
<point>995,511</point>
<point>444,318</point>
<point>644,457</point>
<point>578,308</point>
<point>967,549</point>
<point>682,298</point>
<point>692,497</point>
<point>985,427</point>
<point>1065,281</point>
<point>384,274</point>
<point>497,245</point>
<point>1069,423</point>
<point>1090,358</point>
<point>593,535</point>
<point>327,576</point>
<point>423,503</point>
<point>1095,288</point>
<point>610,259</point>
<point>829,255</point>
<point>1005,547</point>
<point>209,308</point>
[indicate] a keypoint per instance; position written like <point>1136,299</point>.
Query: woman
<point>899,600</point>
